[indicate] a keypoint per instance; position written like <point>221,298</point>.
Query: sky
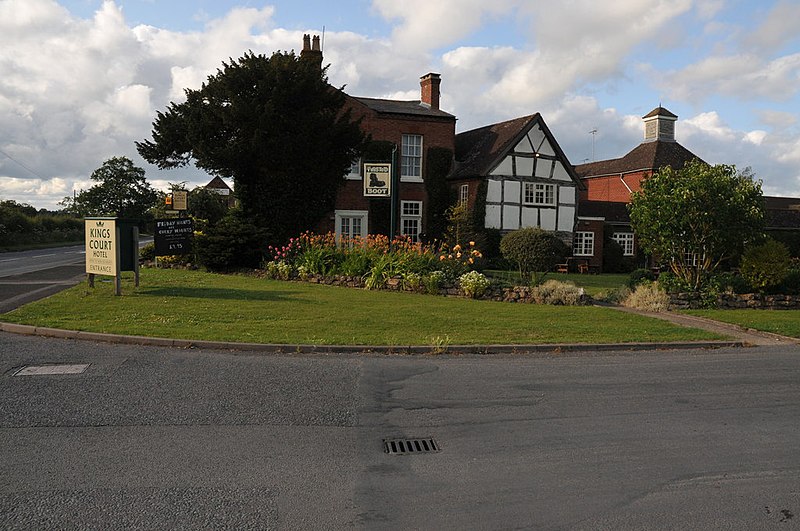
<point>82,80</point>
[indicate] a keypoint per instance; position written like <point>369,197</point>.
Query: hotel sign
<point>101,247</point>
<point>377,180</point>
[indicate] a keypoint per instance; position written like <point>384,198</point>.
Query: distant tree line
<point>23,225</point>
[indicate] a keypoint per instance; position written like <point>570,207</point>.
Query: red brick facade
<point>385,120</point>
<point>614,188</point>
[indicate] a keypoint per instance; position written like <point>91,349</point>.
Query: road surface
<point>156,438</point>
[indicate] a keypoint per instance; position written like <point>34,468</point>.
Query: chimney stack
<point>311,50</point>
<point>429,90</point>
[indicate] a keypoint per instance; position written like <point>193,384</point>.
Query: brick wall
<point>611,187</point>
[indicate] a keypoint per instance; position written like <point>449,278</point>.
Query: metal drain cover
<point>410,446</point>
<point>46,370</point>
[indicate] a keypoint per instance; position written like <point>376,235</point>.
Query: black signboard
<point>173,236</point>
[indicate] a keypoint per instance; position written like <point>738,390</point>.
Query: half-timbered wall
<point>531,187</point>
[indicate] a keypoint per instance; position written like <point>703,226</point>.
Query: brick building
<point>608,185</point>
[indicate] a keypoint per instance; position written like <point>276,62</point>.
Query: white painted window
<point>355,170</point>
<point>411,219</point>
<point>463,194</point>
<point>411,161</point>
<point>583,244</point>
<point>625,240</point>
<point>350,223</point>
<point>540,194</point>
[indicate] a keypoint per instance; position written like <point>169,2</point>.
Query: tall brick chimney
<point>311,50</point>
<point>429,89</point>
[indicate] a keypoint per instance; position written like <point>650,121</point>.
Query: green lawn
<point>197,305</point>
<point>783,322</point>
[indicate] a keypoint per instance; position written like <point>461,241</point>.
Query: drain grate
<point>410,446</point>
<point>46,370</point>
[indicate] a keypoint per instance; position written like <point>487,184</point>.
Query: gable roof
<point>480,150</point>
<point>646,156</point>
<point>218,183</point>
<point>410,107</point>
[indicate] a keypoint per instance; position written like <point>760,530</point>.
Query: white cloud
<point>778,27</point>
<point>74,92</point>
<point>429,25</point>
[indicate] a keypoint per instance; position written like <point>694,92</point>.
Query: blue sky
<point>81,80</point>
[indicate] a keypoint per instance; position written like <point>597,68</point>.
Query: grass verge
<point>197,305</point>
<point>783,322</point>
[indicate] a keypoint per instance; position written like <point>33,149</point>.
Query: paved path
<point>748,336</point>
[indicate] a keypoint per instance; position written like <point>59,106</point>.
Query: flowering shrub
<point>456,261</point>
<point>412,281</point>
<point>474,284</point>
<point>278,270</point>
<point>376,258</point>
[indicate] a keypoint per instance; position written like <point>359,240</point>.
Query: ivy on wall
<point>439,163</point>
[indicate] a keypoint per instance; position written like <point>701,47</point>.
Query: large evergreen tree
<point>275,126</point>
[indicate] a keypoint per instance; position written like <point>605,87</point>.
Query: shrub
<point>533,250</point>
<point>670,283</point>
<point>433,282</point>
<point>730,283</point>
<point>148,252</point>
<point>412,281</point>
<point>474,284</point>
<point>765,266</point>
<point>639,276</point>
<point>380,272</point>
<point>556,292</point>
<point>648,296</point>
<point>233,243</point>
<point>279,270</point>
<point>791,283</point>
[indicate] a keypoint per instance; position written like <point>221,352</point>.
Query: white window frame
<point>411,211</point>
<point>363,215</point>
<point>355,176</point>
<point>539,194</point>
<point>625,240</point>
<point>411,158</point>
<point>463,194</point>
<point>583,244</point>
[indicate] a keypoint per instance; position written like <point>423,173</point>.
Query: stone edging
<point>395,350</point>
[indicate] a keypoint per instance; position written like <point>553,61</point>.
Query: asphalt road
<point>27,276</point>
<point>154,438</point>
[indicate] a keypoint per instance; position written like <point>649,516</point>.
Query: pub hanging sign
<point>377,179</point>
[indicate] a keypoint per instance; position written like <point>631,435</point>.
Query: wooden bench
<point>562,268</point>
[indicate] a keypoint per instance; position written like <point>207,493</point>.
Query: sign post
<point>102,249</point>
<point>112,246</point>
<point>173,236</point>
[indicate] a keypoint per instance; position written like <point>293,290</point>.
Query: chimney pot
<point>306,42</point>
<point>315,44</point>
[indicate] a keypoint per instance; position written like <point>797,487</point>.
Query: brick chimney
<point>429,90</point>
<point>311,50</point>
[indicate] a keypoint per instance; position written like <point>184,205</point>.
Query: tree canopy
<point>275,126</point>
<point>122,191</point>
<point>697,217</point>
